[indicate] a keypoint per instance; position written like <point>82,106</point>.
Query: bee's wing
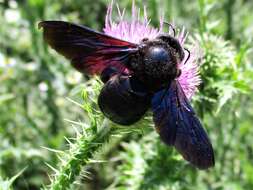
<point>177,125</point>
<point>89,51</point>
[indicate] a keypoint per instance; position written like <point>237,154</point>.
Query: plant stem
<point>80,155</point>
<point>229,5</point>
<point>202,17</point>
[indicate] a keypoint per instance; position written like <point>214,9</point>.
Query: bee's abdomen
<point>123,100</point>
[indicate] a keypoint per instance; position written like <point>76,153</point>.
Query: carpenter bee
<point>136,77</point>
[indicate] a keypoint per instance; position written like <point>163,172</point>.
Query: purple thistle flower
<point>138,28</point>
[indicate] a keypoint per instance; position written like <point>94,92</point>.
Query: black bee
<point>136,77</point>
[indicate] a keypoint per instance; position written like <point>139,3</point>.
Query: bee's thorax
<point>155,64</point>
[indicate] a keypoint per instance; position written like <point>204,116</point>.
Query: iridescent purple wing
<point>90,52</point>
<point>178,125</point>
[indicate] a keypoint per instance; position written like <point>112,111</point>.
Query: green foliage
<point>86,151</point>
<point>220,73</point>
<point>7,184</point>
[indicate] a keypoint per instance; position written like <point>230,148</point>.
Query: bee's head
<point>173,43</point>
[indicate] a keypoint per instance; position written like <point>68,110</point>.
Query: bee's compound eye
<point>157,54</point>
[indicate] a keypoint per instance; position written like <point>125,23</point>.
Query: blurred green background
<point>35,112</point>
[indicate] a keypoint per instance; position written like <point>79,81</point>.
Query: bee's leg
<point>123,100</point>
<point>107,73</point>
<point>179,72</point>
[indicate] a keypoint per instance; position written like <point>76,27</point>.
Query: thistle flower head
<point>139,28</point>
<point>133,31</point>
<point>189,78</point>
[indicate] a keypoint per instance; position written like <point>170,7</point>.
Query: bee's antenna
<point>189,55</point>
<point>172,27</point>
